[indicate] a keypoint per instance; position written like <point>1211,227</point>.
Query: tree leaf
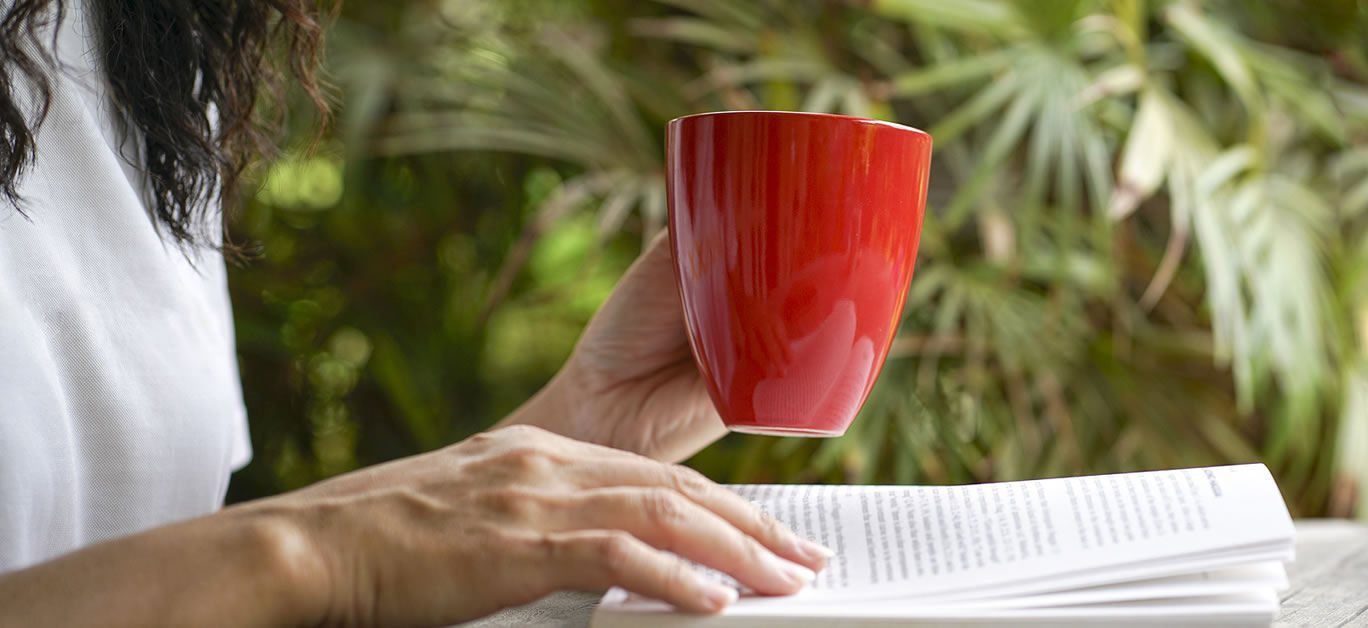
<point>1226,167</point>
<point>1014,123</point>
<point>1120,80</point>
<point>983,16</point>
<point>1217,46</point>
<point>823,96</point>
<point>974,111</point>
<point>1351,451</point>
<point>951,73</point>
<point>1145,157</point>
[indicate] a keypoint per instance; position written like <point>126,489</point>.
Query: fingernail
<point>812,550</point>
<point>718,596</point>
<point>795,574</point>
<point>801,574</point>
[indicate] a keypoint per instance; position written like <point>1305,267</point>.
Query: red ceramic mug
<point>794,238</point>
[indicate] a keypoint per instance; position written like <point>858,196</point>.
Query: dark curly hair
<point>172,65</point>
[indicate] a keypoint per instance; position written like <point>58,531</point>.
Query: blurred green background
<point>1145,245</point>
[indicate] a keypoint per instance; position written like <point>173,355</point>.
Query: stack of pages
<point>1190,547</point>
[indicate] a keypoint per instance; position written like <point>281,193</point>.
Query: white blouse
<point>120,404</point>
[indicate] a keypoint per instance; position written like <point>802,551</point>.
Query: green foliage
<point>1145,245</point>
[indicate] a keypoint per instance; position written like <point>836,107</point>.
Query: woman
<point>123,127</point>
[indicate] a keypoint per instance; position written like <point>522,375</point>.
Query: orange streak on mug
<point>794,238</point>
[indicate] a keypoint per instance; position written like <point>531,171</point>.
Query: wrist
<point>273,551</point>
<point>553,408</point>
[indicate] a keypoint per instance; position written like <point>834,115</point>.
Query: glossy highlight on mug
<point>795,236</point>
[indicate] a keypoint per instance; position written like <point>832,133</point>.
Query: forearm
<point>239,567</point>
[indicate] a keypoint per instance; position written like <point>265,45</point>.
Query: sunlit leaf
<point>970,15</point>
<point>950,73</point>
<point>1351,452</point>
<point>1145,157</point>
<point>1120,80</point>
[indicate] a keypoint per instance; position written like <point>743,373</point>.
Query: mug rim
<point>807,114</point>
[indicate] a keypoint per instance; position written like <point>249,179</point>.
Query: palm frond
<point>1066,153</point>
<point>1261,240</point>
<point>976,16</point>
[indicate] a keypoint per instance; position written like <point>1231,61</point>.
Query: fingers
<point>665,519</point>
<point>666,506</point>
<point>598,559</point>
<point>734,509</point>
<point>748,518</point>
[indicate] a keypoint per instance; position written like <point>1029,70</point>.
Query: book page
<point>915,542</point>
<point>1252,608</point>
<point>1267,576</point>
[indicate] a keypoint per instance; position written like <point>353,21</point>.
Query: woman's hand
<point>498,520</point>
<point>511,515</point>
<point>631,382</point>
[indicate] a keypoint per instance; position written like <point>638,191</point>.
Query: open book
<point>1163,548</point>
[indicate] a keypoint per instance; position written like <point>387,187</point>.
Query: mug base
<point>768,430</point>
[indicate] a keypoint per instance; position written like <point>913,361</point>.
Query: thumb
<point>657,261</point>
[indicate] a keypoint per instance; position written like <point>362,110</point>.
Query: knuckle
<point>497,502</point>
<point>512,504</point>
<point>691,482</point>
<point>511,541</point>
<point>677,576</point>
<point>516,546</point>
<point>547,548</point>
<point>526,459</point>
<point>522,433</point>
<point>768,525</point>
<point>664,508</point>
<point>753,553</point>
<point>483,437</point>
<point>616,551</point>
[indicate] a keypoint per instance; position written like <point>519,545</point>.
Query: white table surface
<point>1329,586</point>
